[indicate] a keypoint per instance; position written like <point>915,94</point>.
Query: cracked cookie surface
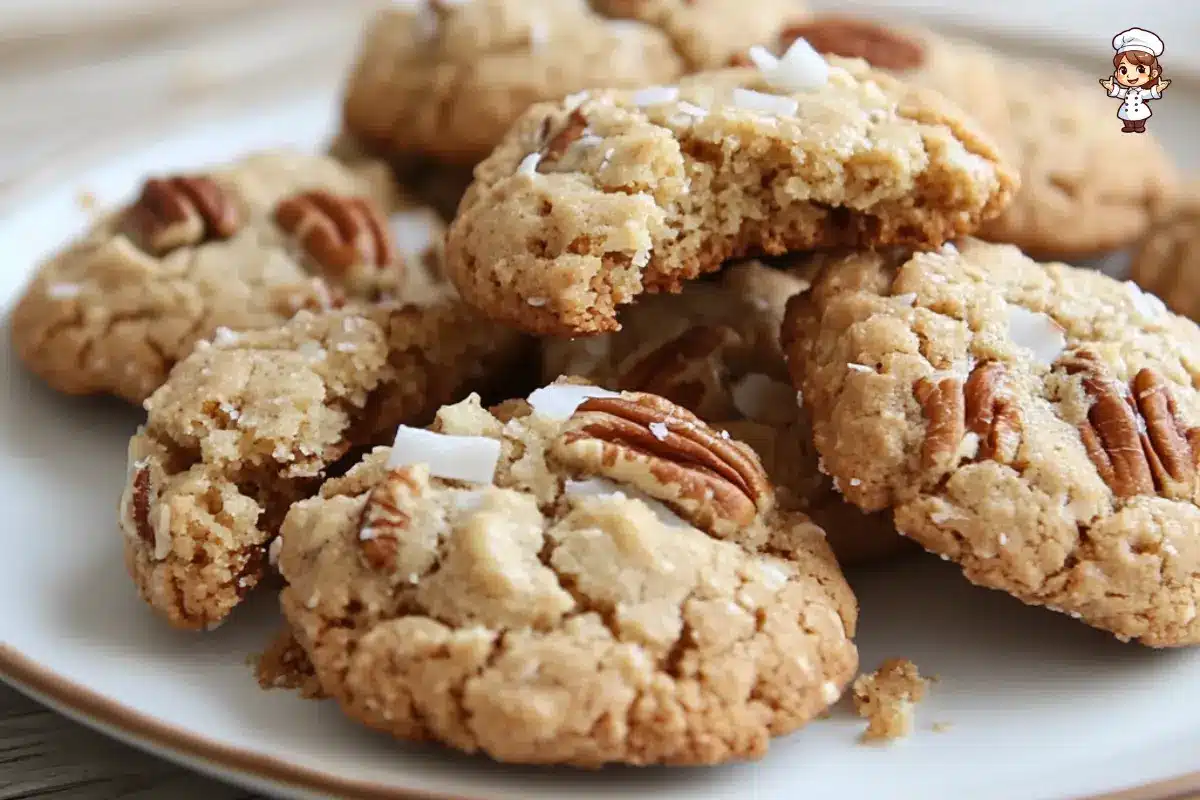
<point>594,200</point>
<point>242,246</point>
<point>714,349</point>
<point>553,616</point>
<point>252,422</point>
<point>1167,260</point>
<point>1075,199</point>
<point>1034,423</point>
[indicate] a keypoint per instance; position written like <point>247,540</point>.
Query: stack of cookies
<point>718,304</point>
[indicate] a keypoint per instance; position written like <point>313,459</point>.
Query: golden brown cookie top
<point>563,561</point>
<point>592,201</point>
<point>1036,423</point>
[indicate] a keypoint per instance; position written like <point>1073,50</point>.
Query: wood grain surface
<point>78,80</point>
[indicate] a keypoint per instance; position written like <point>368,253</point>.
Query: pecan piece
<point>384,519</point>
<point>557,146</point>
<point>346,237</point>
<point>984,405</point>
<point>180,211</point>
<point>1170,447</point>
<point>857,38</point>
<point>942,404</point>
<point>668,453</point>
<point>991,412</point>
<point>688,370</point>
<point>139,504</point>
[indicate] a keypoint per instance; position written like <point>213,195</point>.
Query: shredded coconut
<point>462,458</point>
<point>760,102</point>
<point>861,368</point>
<point>529,164</point>
<point>559,401</point>
<point>659,429</point>
<point>801,68</point>
<point>655,96</point>
<point>1036,332</point>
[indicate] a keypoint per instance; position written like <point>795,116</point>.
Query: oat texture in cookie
<point>1166,263</point>
<point>251,422</point>
<point>594,200</point>
<point>242,246</point>
<point>1035,423</point>
<point>1078,196</point>
<point>714,349</point>
<point>554,583</point>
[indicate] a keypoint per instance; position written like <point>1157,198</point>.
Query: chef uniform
<point>1135,110</point>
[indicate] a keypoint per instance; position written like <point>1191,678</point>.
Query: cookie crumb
<point>285,665</point>
<point>942,727</point>
<point>885,698</point>
<point>86,200</point>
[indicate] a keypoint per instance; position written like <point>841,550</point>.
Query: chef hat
<point>1138,39</point>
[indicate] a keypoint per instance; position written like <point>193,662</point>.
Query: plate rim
<point>169,741</point>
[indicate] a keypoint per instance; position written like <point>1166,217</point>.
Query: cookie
<point>1167,260</point>
<point>251,422</point>
<point>1034,423</point>
<point>1078,197</point>
<point>446,80</point>
<point>594,200</point>
<point>714,349</point>
<point>243,246</point>
<point>568,586</point>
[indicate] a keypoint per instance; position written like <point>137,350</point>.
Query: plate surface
<point>1038,706</point>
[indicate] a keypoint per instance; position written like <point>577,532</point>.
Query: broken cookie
<point>594,200</point>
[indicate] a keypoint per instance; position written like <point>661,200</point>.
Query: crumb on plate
<point>885,698</point>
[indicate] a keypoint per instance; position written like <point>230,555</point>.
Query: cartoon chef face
<point>1136,68</point>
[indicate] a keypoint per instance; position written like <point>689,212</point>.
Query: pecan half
<point>857,38</point>
<point>384,520</point>
<point>984,405</point>
<point>688,369</point>
<point>1133,434</point>
<point>715,483</point>
<point>346,237</point>
<point>181,211</point>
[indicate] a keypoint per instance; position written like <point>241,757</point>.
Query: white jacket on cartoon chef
<point>1137,76</point>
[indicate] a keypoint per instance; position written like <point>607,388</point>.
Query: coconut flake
<point>906,299</point>
<point>273,550</point>
<point>655,96</point>
<point>659,429</point>
<point>559,401</point>
<point>830,692</point>
<point>539,34</point>
<point>63,291</point>
<point>1036,332</point>
<point>224,337</point>
<point>467,500</point>
<point>602,487</point>
<point>763,103</point>
<point>692,110</point>
<point>1147,304</point>
<point>458,458</point>
<point>763,58</point>
<point>413,231</point>
<point>800,69</point>
<point>756,396</point>
<point>574,101</point>
<point>162,533</point>
<point>529,164</point>
<point>861,368</point>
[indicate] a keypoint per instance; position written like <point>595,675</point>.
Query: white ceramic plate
<point>1038,706</point>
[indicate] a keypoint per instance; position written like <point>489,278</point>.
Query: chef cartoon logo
<point>1137,76</point>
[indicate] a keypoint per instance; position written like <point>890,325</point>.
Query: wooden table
<point>71,91</point>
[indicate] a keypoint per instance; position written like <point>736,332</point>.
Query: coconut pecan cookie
<point>714,349</point>
<point>1077,197</point>
<point>592,201</point>
<point>569,581</point>
<point>243,246</point>
<point>251,422</point>
<point>1167,260</point>
<point>1035,423</point>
